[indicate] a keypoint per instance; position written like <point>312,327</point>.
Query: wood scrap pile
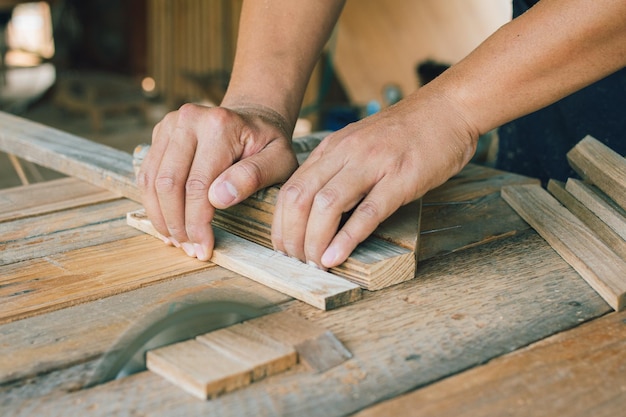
<point>584,221</point>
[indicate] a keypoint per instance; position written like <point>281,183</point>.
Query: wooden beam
<point>599,204</point>
<point>289,276</point>
<point>603,270</point>
<point>597,163</point>
<point>602,230</point>
<point>376,263</point>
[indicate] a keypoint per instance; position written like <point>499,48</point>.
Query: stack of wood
<point>584,221</point>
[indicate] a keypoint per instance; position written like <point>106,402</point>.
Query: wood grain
<point>580,210</point>
<point>599,204</point>
<point>575,373</point>
<point>573,240</point>
<point>289,276</point>
<point>599,164</point>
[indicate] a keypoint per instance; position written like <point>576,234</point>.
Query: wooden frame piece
<point>577,244</point>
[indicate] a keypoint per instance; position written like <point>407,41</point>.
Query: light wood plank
<point>605,168</point>
<point>317,347</point>
<point>573,240</point>
<point>580,210</point>
<point>65,279</point>
<point>198,369</point>
<point>575,373</point>
<point>48,197</point>
<point>599,204</point>
<point>289,276</point>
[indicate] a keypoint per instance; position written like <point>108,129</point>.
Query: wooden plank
<point>598,203</point>
<point>62,231</point>
<point>289,276</point>
<point>199,369</point>
<point>463,310</point>
<point>605,168</point>
<point>575,373</point>
<point>317,347</point>
<point>580,210</point>
<point>573,240</point>
<point>48,197</point>
<point>61,280</point>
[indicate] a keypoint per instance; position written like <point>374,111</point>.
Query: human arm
<point>397,155</point>
<point>202,158</point>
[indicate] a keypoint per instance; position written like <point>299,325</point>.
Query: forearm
<point>278,45</point>
<point>553,50</point>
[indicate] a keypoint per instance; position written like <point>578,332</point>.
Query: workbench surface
<point>495,323</point>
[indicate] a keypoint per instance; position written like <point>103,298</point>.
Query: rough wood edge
<point>603,270</point>
<point>289,276</point>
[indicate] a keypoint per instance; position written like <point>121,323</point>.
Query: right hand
<point>203,158</point>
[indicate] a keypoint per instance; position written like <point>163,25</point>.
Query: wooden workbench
<point>495,323</point>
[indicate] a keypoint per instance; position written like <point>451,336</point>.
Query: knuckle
<point>326,199</point>
<point>144,180</point>
<point>368,211</point>
<point>294,194</point>
<point>196,185</point>
<point>252,174</point>
<point>165,184</point>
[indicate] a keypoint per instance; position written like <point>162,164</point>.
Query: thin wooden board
<point>580,210</point>
<point>65,279</point>
<point>605,168</point>
<point>48,197</point>
<point>573,240</point>
<point>574,373</point>
<point>599,204</point>
<point>402,338</point>
<point>289,276</point>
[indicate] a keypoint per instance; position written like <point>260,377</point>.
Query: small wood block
<point>580,210</point>
<point>599,204</point>
<point>263,355</point>
<point>289,276</point>
<point>603,270</point>
<point>317,347</point>
<point>199,369</point>
<point>597,163</point>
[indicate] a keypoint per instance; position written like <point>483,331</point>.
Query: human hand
<point>204,158</point>
<point>373,166</point>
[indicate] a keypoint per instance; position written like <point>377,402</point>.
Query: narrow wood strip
<point>596,162</point>
<point>48,197</point>
<point>199,369</point>
<point>573,240</point>
<point>289,276</point>
<point>65,279</point>
<point>599,204</point>
<point>317,347</point>
<point>580,210</point>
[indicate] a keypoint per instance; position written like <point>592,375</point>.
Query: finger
<point>368,214</point>
<point>147,174</point>
<point>272,165</point>
<point>171,180</point>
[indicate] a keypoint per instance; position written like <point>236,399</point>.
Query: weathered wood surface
<point>574,373</point>
<point>462,311</point>
<point>580,210</point>
<point>602,166</point>
<point>602,268</point>
<point>290,276</point>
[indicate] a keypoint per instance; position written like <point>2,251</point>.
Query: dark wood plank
<point>575,373</point>
<point>462,311</point>
<point>596,162</point>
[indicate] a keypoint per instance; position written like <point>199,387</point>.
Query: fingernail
<point>202,252</point>
<point>330,256</point>
<point>174,242</point>
<point>316,266</point>
<point>281,252</point>
<point>225,193</point>
<point>189,249</point>
<point>166,240</point>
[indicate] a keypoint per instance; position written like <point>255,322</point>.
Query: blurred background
<point>108,70</point>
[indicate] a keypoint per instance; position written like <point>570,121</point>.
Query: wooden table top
<point>495,323</point>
